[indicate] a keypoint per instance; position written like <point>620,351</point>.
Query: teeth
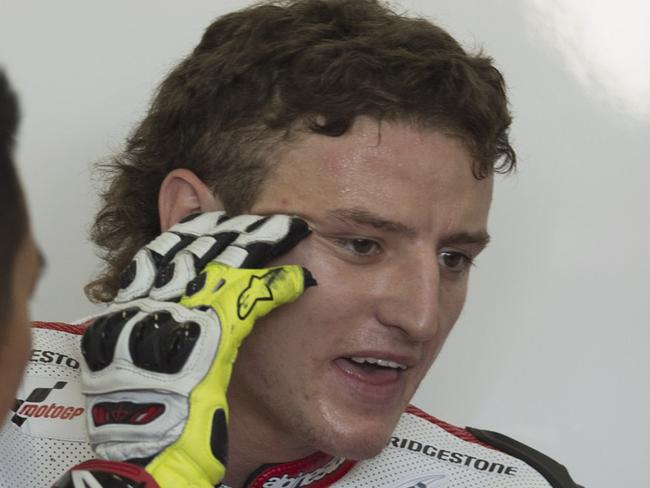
<point>379,362</point>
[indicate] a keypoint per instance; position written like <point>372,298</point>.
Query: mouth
<point>372,373</point>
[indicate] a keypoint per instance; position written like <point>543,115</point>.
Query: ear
<point>182,193</point>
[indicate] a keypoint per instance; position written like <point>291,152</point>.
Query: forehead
<point>417,175</point>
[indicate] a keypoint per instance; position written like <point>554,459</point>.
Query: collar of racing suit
<point>318,470</point>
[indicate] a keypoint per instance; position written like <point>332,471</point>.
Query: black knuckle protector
<point>161,344</point>
<point>99,340</point>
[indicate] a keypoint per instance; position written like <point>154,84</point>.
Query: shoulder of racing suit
<point>45,435</point>
<point>555,473</point>
<point>45,431</point>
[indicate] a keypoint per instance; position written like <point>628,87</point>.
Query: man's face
<point>397,217</point>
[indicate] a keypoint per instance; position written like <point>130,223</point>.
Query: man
<point>19,259</point>
<point>381,135</point>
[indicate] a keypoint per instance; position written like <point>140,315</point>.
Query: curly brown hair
<point>259,72</point>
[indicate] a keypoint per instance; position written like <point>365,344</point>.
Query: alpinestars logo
<point>304,479</point>
<point>258,290</point>
<point>34,407</point>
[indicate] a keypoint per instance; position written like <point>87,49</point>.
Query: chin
<point>359,453</point>
<point>356,445</point>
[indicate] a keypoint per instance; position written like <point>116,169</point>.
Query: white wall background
<point>553,345</point>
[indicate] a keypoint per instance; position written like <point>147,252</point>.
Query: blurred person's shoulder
<point>45,432</point>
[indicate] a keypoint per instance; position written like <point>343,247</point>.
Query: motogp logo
<point>34,406</point>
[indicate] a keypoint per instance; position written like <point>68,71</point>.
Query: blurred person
<point>19,258</point>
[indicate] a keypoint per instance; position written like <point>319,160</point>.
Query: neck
<point>254,440</point>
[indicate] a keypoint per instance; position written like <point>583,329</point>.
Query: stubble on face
<point>294,381</point>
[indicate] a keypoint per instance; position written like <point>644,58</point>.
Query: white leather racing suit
<point>45,435</point>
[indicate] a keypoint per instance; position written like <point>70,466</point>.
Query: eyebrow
<point>480,239</point>
<point>362,216</point>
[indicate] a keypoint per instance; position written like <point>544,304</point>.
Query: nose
<point>410,298</point>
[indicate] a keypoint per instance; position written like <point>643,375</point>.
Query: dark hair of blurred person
<point>19,258</point>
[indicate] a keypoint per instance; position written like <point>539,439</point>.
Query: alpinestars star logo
<point>258,290</point>
<point>34,406</point>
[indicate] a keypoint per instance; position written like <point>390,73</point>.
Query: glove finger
<point>139,276</point>
<point>264,241</point>
<point>235,226</point>
<point>260,253</point>
<point>198,224</point>
<point>171,281</point>
<point>190,230</point>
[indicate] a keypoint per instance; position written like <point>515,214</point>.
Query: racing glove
<point>157,365</point>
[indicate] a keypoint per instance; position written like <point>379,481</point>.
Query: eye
<point>360,247</point>
<point>455,261</point>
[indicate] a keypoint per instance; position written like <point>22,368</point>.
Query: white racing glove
<point>158,363</point>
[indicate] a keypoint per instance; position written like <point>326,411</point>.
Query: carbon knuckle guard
<point>99,341</point>
<point>161,344</point>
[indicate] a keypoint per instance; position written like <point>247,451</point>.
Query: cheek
<point>452,300</point>
<point>307,324</point>
<point>316,322</point>
<point>339,284</point>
